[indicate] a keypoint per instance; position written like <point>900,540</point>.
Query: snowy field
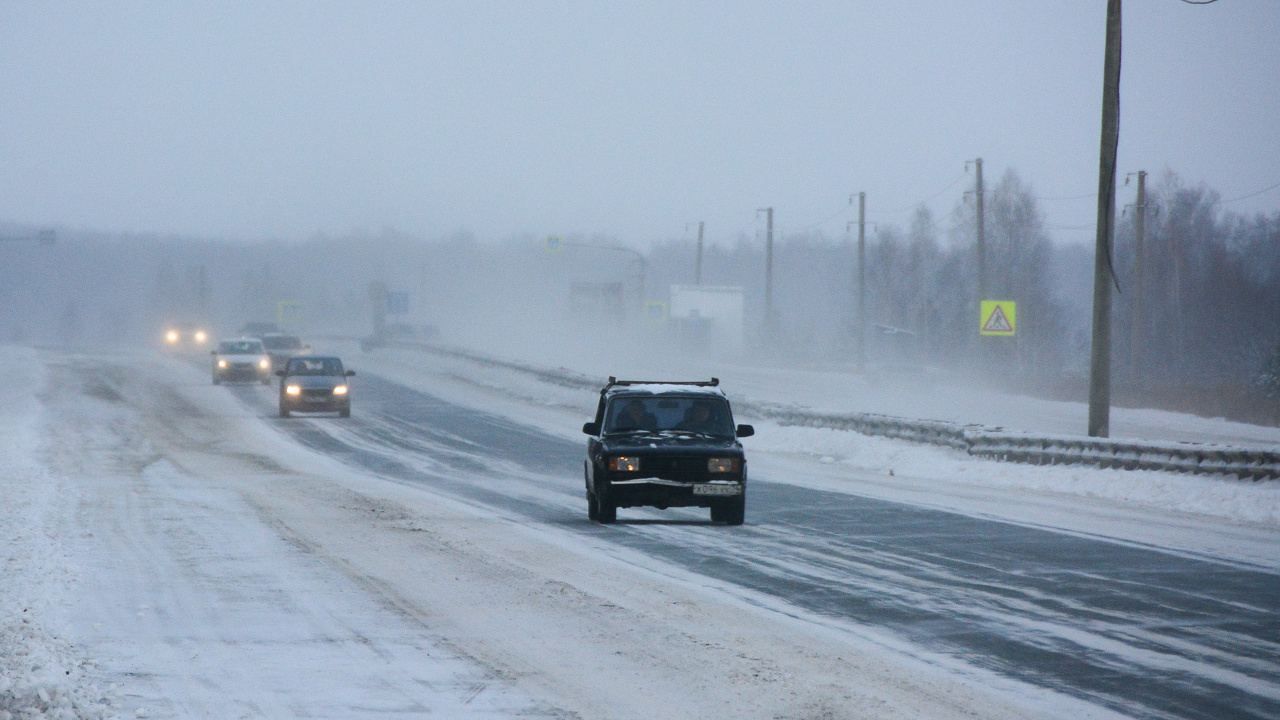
<point>169,552</point>
<point>919,393</point>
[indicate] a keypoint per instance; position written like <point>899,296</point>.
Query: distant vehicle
<point>665,444</point>
<point>186,337</point>
<point>241,359</point>
<point>258,329</point>
<point>314,383</point>
<point>281,347</point>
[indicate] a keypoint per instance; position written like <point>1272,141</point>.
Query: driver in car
<point>697,418</point>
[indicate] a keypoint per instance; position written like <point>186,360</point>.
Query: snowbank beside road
<point>41,674</point>
<point>917,393</point>
<point>1225,497</point>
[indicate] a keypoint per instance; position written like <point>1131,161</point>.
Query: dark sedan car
<point>665,444</point>
<point>315,383</point>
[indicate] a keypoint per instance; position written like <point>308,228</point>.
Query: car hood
<point>316,382</point>
<point>683,444</point>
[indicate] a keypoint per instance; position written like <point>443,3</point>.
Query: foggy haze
<point>282,120</point>
<point>206,163</point>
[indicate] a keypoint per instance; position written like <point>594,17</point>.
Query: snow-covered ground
<point>169,553</point>
<point>903,392</point>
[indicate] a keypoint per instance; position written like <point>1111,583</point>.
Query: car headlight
<point>625,463</point>
<point>340,390</point>
<point>222,363</point>
<point>264,363</point>
<point>199,336</point>
<point>172,336</point>
<point>293,389</point>
<point>722,465</point>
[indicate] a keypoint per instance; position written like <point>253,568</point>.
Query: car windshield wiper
<point>694,433</point>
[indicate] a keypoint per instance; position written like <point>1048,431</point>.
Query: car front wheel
<point>606,509</point>
<point>730,512</point>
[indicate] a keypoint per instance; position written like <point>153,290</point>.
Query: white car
<point>241,359</point>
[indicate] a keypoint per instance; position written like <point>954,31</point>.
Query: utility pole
<point>1139,231</point>
<point>862,281</point>
<point>697,267</point>
<point>768,269</point>
<point>982,236</point>
<point>1103,273</point>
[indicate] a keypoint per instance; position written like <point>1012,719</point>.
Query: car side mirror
<point>351,373</point>
<point>745,431</point>
<point>591,428</point>
<point>279,373</point>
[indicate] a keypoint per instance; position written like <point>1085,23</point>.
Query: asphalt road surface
<point>1144,632</point>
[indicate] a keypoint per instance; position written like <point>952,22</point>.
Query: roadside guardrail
<point>977,440</point>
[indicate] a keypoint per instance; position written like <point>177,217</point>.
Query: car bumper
<point>306,403</point>
<point>242,373</point>
<point>655,492</point>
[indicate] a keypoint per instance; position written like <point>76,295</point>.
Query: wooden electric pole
<point>697,266</point>
<point>862,280</point>
<point>1139,233</point>
<point>1103,273</point>
<point>768,270</point>
<point>982,235</point>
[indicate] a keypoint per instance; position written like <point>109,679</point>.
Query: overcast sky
<point>269,119</point>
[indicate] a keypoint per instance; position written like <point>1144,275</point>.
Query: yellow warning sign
<point>998,317</point>
<point>655,312</point>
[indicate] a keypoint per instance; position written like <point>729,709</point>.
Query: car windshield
<point>240,347</point>
<point>315,366</point>
<point>281,342</point>
<point>677,414</point>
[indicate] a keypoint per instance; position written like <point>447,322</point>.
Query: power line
<point>824,221</point>
<point>1252,194</point>
<point>930,199</point>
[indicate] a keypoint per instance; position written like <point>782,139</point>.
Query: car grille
<point>317,393</point>
<point>675,468</point>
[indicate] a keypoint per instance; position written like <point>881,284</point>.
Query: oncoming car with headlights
<point>184,337</point>
<point>315,383</point>
<point>665,444</point>
<point>241,359</point>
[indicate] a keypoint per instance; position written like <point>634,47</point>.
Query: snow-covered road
<point>431,557</point>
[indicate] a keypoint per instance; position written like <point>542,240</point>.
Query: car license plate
<point>716,489</point>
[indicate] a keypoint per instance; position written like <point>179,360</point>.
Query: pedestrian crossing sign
<point>655,312</point>
<point>998,317</point>
<point>288,313</point>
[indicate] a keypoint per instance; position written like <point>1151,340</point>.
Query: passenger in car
<point>635,416</point>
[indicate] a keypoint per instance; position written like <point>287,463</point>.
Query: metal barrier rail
<point>993,443</point>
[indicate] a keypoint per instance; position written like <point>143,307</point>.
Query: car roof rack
<point>615,382</point>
